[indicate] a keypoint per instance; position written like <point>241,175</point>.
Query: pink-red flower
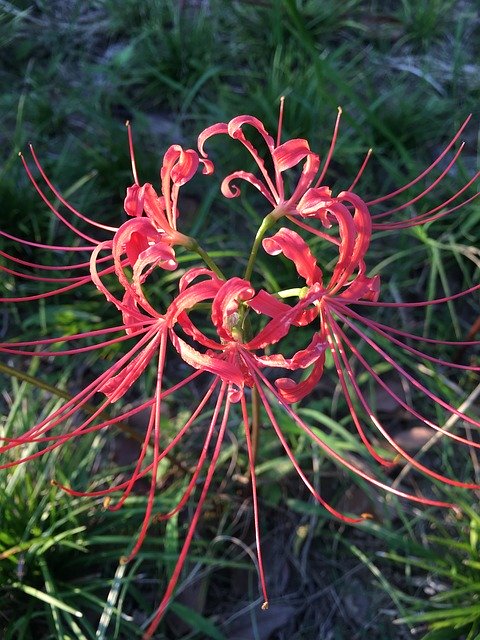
<point>236,335</point>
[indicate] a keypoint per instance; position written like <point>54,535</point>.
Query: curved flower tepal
<point>233,335</point>
<point>283,157</point>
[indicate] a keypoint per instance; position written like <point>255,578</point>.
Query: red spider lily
<point>179,165</point>
<point>312,199</point>
<point>236,366</point>
<point>235,357</point>
<point>146,240</point>
<point>329,308</point>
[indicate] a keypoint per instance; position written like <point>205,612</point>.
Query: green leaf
<point>197,621</point>
<point>45,597</point>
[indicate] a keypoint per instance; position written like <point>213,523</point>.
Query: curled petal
<point>190,296</point>
<point>116,386</point>
<point>155,209</point>
<point>227,371</point>
<point>225,305</point>
<point>267,304</point>
<point>235,130</point>
<point>207,133</point>
<point>130,311</point>
<point>296,249</point>
<point>133,203</point>
<point>309,172</point>
<point>347,241</point>
<point>362,288</point>
<point>194,332</point>
<point>135,245</point>
<point>159,255</point>
<point>178,167</point>
<point>232,191</point>
<point>132,236</point>
<point>208,167</point>
<point>290,153</point>
<point>314,200</point>
<point>194,273</point>
<point>179,164</point>
<point>279,326</point>
<point>301,360</point>
<point>363,231</point>
<point>292,391</point>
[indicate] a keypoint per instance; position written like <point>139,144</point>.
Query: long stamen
<point>361,170</point>
<point>45,267</point>
<point>344,461</point>
<point>403,373</point>
<point>48,247</point>
<point>201,460</point>
<point>411,336</point>
<point>296,465</point>
<point>132,153</point>
<point>192,527</point>
<point>59,196</point>
<point>52,208</point>
<point>253,480</point>
<point>37,278</point>
<point>280,121</point>
<point>331,149</point>
<point>423,193</point>
<point>77,402</point>
<point>54,292</point>
<point>385,434</point>
<point>388,196</point>
<point>70,352</point>
<point>155,419</point>
<point>416,352</point>
<point>330,332</point>
<point>424,303</point>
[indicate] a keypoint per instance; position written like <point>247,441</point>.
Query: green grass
<point>71,73</point>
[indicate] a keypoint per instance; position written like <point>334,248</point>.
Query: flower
<point>239,343</point>
<point>311,199</point>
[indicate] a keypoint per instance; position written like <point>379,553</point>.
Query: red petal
<point>314,200</point>
<point>309,172</point>
<point>296,249</point>
<point>301,360</point>
<point>362,288</point>
<point>133,203</point>
<point>294,392</point>
<point>225,305</point>
<point>235,131</point>
<point>267,304</point>
<point>227,371</point>
<point>214,130</point>
<point>290,153</point>
<point>116,386</point>
<point>234,191</point>
<point>179,164</point>
<point>159,255</point>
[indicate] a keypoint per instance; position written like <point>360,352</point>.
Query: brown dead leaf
<point>412,440</point>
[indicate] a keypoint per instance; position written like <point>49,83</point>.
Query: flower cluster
<point>238,342</point>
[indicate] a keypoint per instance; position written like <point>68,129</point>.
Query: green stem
<point>267,223</point>
<point>24,377</point>
<point>194,246</point>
